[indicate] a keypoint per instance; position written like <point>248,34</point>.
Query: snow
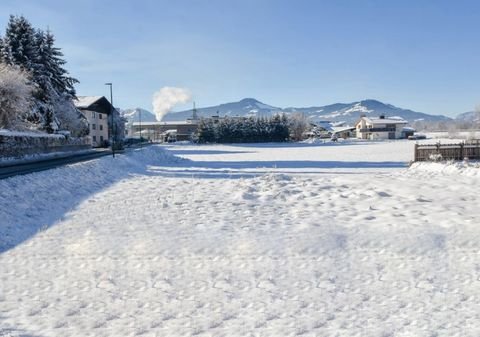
<point>389,120</point>
<point>13,133</point>
<point>358,107</point>
<point>86,101</point>
<point>246,240</point>
<point>452,169</point>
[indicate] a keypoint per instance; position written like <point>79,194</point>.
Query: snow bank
<point>11,133</point>
<point>471,169</point>
<point>48,195</point>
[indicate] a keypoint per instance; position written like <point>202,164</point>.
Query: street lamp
<point>140,120</point>
<point>111,113</point>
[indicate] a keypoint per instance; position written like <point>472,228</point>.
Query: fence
<point>459,151</point>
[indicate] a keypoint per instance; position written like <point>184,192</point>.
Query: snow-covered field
<point>247,240</point>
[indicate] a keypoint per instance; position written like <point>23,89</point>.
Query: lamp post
<point>140,120</point>
<point>111,113</point>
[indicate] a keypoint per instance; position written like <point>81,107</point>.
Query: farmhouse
<point>96,110</point>
<point>380,127</point>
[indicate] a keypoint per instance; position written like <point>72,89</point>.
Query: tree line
<point>278,128</point>
<point>36,90</point>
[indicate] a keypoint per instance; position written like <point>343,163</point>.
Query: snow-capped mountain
<point>344,112</point>
<point>470,116</point>
<point>244,107</point>
<point>134,115</point>
<point>350,112</point>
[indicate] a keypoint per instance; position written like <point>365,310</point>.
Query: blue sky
<point>422,55</point>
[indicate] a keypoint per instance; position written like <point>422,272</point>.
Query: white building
<point>164,131</point>
<point>380,127</point>
<point>96,110</point>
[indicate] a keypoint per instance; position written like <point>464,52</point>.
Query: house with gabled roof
<point>380,127</point>
<point>96,110</point>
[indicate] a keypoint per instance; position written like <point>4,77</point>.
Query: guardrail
<point>457,151</point>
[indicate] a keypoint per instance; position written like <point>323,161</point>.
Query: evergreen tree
<point>34,51</point>
<point>18,46</point>
<point>206,131</point>
<point>52,58</point>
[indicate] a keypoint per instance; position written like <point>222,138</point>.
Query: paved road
<point>7,171</point>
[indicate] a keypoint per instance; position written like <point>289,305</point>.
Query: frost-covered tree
<point>298,125</point>
<point>15,95</point>
<point>118,125</point>
<point>34,51</point>
<point>70,118</point>
<point>18,44</point>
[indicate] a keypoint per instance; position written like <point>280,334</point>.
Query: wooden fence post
<point>415,155</point>
<point>461,151</point>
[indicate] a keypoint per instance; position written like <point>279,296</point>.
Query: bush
<point>15,95</point>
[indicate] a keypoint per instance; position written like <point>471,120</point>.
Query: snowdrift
<point>470,169</point>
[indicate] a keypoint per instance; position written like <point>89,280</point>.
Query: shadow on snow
<point>39,200</point>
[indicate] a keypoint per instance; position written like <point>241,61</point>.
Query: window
<point>94,138</point>
<point>93,114</point>
<point>100,116</point>
<point>101,138</point>
<point>101,126</point>
<point>94,126</point>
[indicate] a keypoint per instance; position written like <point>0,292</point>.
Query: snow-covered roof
<point>390,120</point>
<point>86,101</point>
<point>325,125</point>
<point>408,128</point>
<point>342,128</point>
<point>163,123</point>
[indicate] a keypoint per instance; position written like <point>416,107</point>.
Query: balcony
<point>377,130</point>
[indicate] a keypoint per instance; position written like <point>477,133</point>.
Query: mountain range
<point>338,112</point>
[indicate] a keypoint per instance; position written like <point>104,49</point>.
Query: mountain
<point>245,107</point>
<point>339,112</point>
<point>470,116</point>
<point>134,115</point>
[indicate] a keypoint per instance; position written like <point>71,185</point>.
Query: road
<point>7,171</point>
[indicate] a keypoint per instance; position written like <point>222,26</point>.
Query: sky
<point>416,54</point>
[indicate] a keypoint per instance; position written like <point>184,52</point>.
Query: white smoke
<point>166,98</point>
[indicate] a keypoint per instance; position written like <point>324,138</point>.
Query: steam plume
<point>166,98</point>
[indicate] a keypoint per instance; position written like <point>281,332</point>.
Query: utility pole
<point>140,120</point>
<point>194,112</point>
<point>111,113</point>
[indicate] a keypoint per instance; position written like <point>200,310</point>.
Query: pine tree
<point>19,44</point>
<point>52,58</point>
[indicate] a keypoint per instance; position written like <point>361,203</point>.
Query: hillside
<point>470,116</point>
<point>134,115</point>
